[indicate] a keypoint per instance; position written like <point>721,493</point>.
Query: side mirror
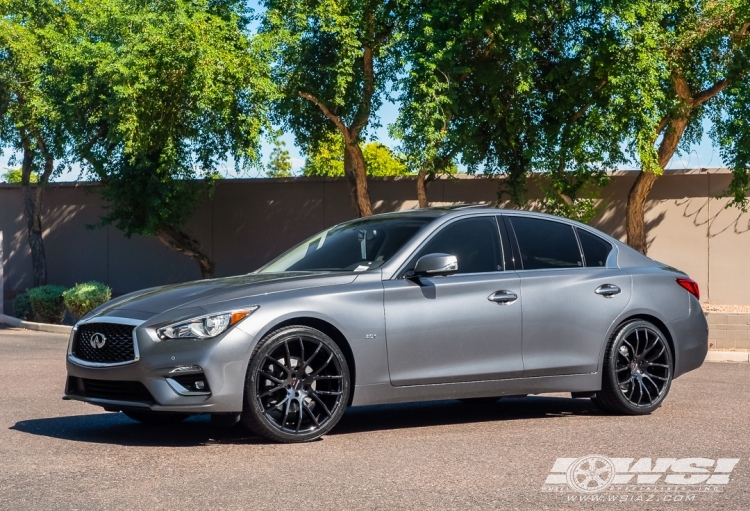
<point>435,265</point>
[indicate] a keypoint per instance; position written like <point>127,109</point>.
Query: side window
<point>474,241</point>
<point>546,244</point>
<point>595,249</point>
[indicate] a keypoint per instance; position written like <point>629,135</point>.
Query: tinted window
<point>354,246</point>
<point>475,242</point>
<point>546,244</point>
<point>595,249</point>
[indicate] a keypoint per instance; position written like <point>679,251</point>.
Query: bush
<point>83,298</point>
<point>47,303</point>
<point>22,306</point>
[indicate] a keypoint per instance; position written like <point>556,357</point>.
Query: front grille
<point>114,390</point>
<point>118,343</point>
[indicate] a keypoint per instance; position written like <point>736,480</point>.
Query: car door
<point>571,296</point>
<point>448,329</point>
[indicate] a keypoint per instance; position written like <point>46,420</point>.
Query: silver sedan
<point>446,303</point>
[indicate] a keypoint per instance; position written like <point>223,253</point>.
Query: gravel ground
<point>439,455</point>
<point>710,307</point>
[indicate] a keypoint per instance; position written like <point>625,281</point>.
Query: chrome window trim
<point>104,319</point>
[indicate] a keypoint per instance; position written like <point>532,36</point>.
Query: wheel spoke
<point>302,348</point>
<point>287,355</point>
<point>271,391</point>
<point>320,369</point>
<point>657,355</point>
<point>286,412</point>
<point>315,354</point>
<point>651,364</point>
<point>278,364</point>
<point>271,377</point>
<point>315,398</point>
<point>644,387</point>
<point>299,416</point>
<point>327,393</point>
<point>328,377</point>
<point>310,414</point>
<point>637,343</point>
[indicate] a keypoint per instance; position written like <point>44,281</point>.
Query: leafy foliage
<point>328,160</point>
<point>22,306</point>
<point>280,164</point>
<point>162,91</point>
<point>13,176</point>
<point>83,298</point>
<point>47,303</point>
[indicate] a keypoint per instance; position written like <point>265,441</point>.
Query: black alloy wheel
<point>637,370</point>
<point>297,385</point>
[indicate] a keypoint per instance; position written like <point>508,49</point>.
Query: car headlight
<point>204,327</point>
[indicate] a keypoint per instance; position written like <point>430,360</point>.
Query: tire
<point>637,371</point>
<point>156,418</point>
<point>297,385</point>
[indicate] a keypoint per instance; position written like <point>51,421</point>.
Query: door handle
<point>608,290</point>
<point>503,297</point>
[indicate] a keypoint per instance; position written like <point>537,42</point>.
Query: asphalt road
<point>58,454</point>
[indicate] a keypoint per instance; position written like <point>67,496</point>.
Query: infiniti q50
<point>445,303</point>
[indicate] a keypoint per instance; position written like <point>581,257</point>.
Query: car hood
<point>158,300</point>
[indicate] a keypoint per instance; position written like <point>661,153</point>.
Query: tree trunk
<point>32,204</point>
<point>355,170</point>
<point>422,188</point>
<point>182,242</point>
<point>635,223</point>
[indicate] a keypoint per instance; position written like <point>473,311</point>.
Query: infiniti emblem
<point>98,340</point>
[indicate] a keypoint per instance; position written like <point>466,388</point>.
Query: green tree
<point>160,92</point>
<point>15,176</point>
<point>30,117</point>
<point>280,164</point>
<point>699,54</point>
<point>332,61</point>
<point>513,88</point>
<point>328,160</point>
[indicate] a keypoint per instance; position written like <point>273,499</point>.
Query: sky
<point>703,155</point>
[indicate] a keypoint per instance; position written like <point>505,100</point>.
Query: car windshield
<point>357,246</point>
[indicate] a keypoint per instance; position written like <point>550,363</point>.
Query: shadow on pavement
<point>116,428</point>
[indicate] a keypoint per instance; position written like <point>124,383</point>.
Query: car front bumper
<point>159,365</point>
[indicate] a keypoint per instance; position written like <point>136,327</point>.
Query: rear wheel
<point>297,385</point>
<point>156,418</point>
<point>637,370</point>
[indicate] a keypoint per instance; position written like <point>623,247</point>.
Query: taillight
<point>691,286</point>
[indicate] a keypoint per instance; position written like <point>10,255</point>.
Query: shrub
<point>47,303</point>
<point>83,298</point>
<point>22,306</point>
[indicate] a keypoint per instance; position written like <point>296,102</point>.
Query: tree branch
<point>335,119</point>
<point>712,91</point>
<point>363,112</point>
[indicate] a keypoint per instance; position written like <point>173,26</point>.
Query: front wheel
<point>297,385</point>
<point>637,370</point>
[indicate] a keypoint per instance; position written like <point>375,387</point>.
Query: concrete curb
<point>39,327</point>
<point>727,356</point>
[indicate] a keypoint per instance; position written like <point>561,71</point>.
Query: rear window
<point>595,249</point>
<point>546,244</point>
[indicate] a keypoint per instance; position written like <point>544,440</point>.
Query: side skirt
<point>384,393</point>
